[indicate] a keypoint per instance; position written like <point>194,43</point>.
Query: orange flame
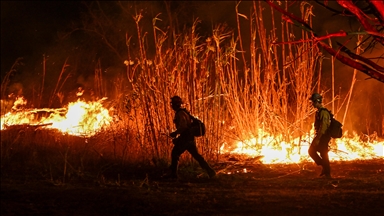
<point>274,150</point>
<point>80,118</point>
<point>87,118</point>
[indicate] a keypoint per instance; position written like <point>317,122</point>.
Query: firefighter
<point>185,141</point>
<point>320,143</point>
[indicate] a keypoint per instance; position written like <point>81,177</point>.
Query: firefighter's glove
<point>173,134</point>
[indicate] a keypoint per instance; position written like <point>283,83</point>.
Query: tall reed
<point>237,100</point>
<point>238,94</point>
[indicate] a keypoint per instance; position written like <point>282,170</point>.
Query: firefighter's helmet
<point>176,100</point>
<point>316,97</point>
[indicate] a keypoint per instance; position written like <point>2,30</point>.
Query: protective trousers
<point>186,143</point>
<point>323,158</point>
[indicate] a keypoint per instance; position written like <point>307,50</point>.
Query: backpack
<point>197,127</point>
<point>335,129</point>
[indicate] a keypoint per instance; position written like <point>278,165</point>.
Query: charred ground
<point>357,188</point>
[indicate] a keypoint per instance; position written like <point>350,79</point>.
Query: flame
<point>80,92</point>
<point>79,118</point>
<point>87,118</point>
<point>20,101</point>
<point>274,150</point>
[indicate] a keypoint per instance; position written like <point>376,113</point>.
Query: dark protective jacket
<point>322,121</point>
<point>182,121</point>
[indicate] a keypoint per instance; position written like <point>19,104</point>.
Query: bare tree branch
<point>347,61</point>
<point>361,16</point>
<point>357,57</point>
<point>371,69</point>
<point>379,6</point>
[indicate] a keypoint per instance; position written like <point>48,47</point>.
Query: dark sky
<point>30,26</point>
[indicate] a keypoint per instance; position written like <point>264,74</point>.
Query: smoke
<point>366,109</point>
<point>15,90</point>
<point>367,106</point>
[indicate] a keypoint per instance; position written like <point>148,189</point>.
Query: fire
<point>273,150</point>
<point>87,118</point>
<point>79,118</point>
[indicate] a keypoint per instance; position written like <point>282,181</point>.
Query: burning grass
<point>255,108</point>
<point>253,101</point>
<point>49,154</point>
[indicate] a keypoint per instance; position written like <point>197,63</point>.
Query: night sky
<point>28,27</point>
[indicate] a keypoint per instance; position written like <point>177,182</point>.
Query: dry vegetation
<point>233,96</point>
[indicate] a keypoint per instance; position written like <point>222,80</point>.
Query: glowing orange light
<point>79,118</point>
<point>87,118</point>
<point>273,150</point>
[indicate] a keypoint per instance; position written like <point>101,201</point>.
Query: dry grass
<point>234,98</point>
<point>236,93</point>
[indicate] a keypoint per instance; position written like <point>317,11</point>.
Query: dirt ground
<point>357,188</point>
